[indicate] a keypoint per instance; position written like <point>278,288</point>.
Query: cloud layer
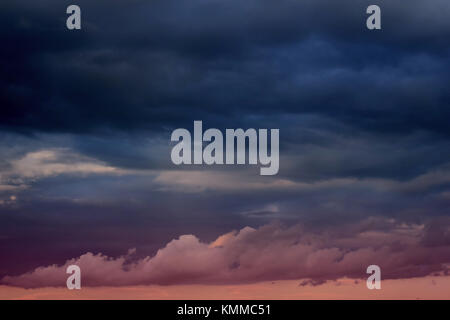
<point>271,252</point>
<point>86,119</point>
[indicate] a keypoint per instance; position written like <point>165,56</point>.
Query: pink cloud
<point>271,252</point>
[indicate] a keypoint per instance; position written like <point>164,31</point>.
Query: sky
<point>86,117</point>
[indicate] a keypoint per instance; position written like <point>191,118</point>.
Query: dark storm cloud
<point>351,103</point>
<point>156,64</point>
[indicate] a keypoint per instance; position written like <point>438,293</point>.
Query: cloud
<point>21,173</point>
<point>167,63</point>
<point>271,252</point>
<point>46,163</point>
<point>311,282</point>
<point>199,181</point>
<point>51,162</point>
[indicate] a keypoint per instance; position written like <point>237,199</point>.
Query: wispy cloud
<point>21,172</point>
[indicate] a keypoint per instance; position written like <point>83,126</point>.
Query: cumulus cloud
<point>271,252</point>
